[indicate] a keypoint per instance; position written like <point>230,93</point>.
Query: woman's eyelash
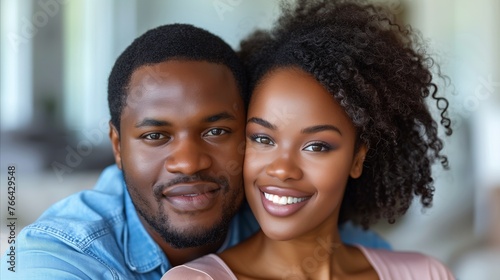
<point>262,139</point>
<point>323,147</point>
<point>312,147</point>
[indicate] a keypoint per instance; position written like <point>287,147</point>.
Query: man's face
<point>181,147</point>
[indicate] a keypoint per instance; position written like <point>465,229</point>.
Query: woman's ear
<point>114,136</point>
<point>359,159</point>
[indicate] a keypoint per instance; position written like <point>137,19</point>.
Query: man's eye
<point>216,132</point>
<point>154,136</point>
<point>317,147</point>
<point>262,140</point>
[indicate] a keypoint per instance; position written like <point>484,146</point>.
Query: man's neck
<point>178,256</point>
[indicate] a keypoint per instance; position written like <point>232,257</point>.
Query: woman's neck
<point>318,256</point>
<point>307,257</point>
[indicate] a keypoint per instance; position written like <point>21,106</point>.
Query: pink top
<point>388,265</point>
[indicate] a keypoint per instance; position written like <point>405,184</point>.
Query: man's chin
<point>190,238</point>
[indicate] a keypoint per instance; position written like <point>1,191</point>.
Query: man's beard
<point>186,239</point>
<point>194,237</point>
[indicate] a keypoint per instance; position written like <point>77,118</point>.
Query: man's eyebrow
<point>318,128</point>
<point>152,122</point>
<point>262,122</point>
<point>218,117</point>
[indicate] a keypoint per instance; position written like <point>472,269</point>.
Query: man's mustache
<point>182,179</point>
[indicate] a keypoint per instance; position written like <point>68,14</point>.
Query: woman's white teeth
<point>283,200</point>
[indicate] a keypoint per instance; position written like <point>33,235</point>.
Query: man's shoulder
<point>87,213</point>
<point>80,236</point>
<point>353,234</point>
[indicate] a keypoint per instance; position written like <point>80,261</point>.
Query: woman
<point>338,129</point>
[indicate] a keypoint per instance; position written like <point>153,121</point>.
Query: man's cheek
<point>234,167</point>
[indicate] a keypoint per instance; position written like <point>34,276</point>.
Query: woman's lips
<point>192,197</point>
<point>282,202</point>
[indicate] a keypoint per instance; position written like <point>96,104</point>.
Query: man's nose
<point>187,157</point>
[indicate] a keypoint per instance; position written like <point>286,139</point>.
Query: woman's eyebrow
<point>262,122</point>
<point>318,128</point>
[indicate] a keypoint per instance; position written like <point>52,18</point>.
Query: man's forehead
<point>179,106</point>
<point>158,72</point>
<point>162,121</point>
<point>183,79</point>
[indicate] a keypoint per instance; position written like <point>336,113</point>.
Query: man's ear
<point>359,159</point>
<point>114,136</point>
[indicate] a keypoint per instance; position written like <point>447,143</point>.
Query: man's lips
<point>189,197</point>
<point>191,189</point>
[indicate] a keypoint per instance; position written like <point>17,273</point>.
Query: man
<point>176,97</point>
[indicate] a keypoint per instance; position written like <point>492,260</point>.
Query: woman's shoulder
<point>405,265</point>
<point>208,267</point>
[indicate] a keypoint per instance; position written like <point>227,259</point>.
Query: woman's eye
<point>317,147</point>
<point>154,136</point>
<point>263,140</point>
<point>216,132</point>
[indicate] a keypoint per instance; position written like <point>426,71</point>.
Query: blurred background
<point>56,56</point>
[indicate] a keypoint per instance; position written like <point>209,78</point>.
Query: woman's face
<point>300,153</point>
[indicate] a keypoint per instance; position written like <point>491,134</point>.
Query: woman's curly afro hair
<point>380,74</point>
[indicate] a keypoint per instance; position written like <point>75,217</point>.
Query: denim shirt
<point>96,234</point>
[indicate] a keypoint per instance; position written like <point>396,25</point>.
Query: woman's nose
<point>284,168</point>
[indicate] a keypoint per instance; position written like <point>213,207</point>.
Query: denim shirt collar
<point>142,254</point>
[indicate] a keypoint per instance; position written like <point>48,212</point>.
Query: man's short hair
<point>169,42</point>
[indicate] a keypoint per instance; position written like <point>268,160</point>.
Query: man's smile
<point>189,197</point>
